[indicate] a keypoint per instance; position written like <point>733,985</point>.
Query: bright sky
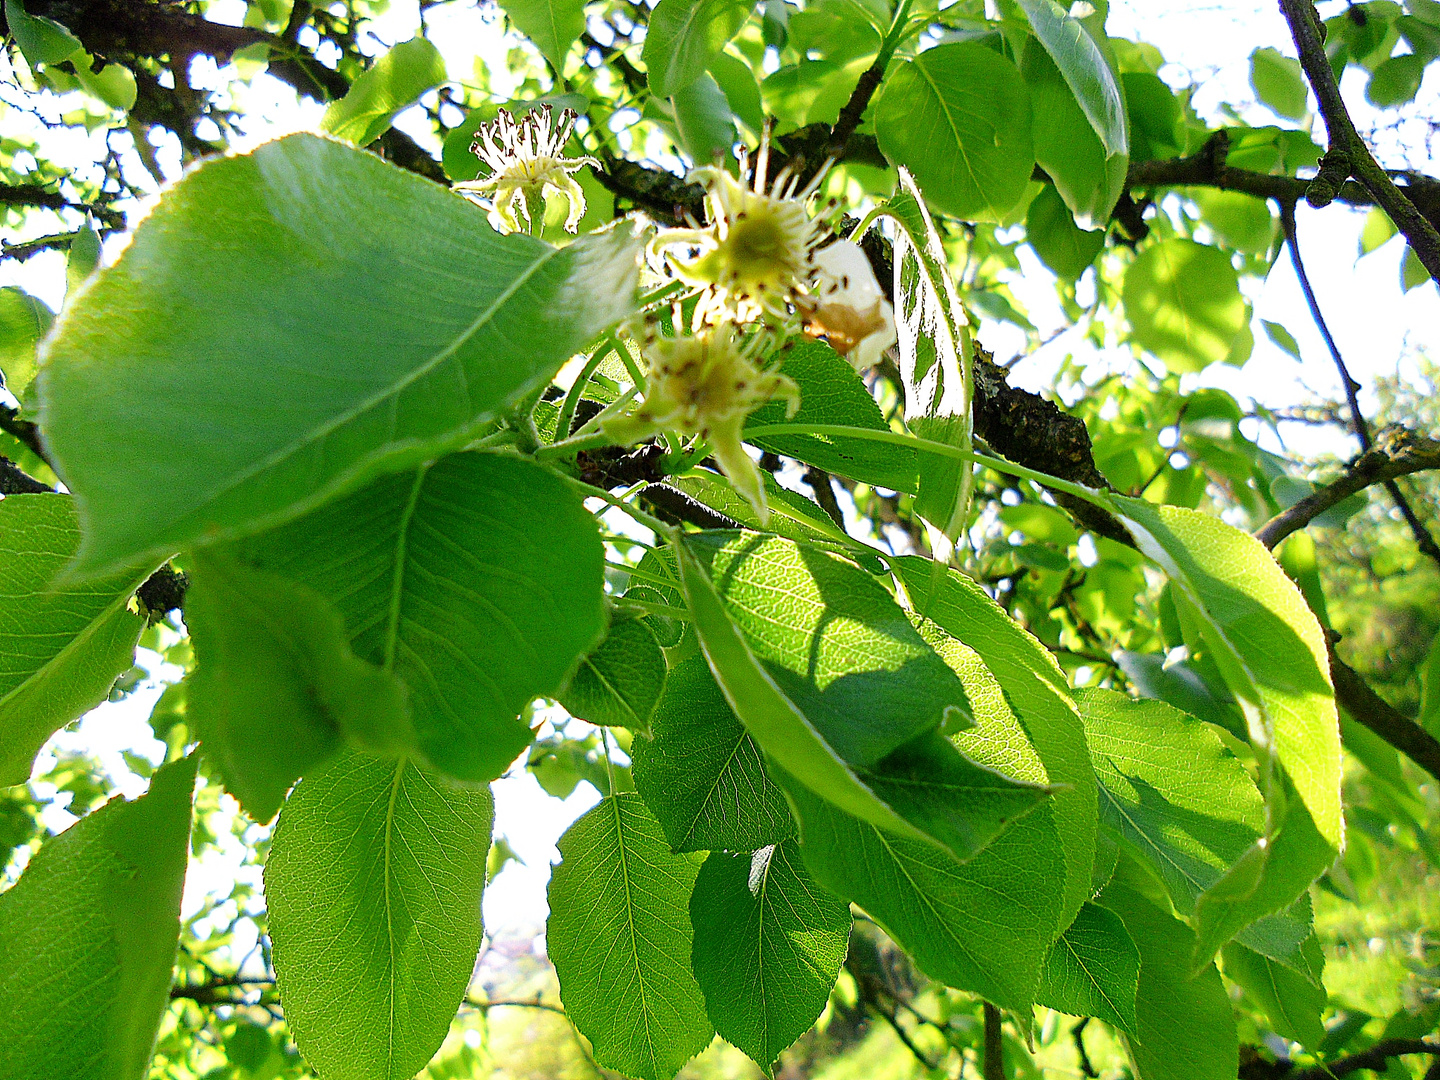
<point>1371,319</point>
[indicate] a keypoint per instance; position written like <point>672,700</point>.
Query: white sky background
<point>1373,323</point>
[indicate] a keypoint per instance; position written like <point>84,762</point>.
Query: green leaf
<point>1378,230</point>
<point>781,729</point>
<point>704,120</point>
<point>1182,685</point>
<point>1396,81</point>
<point>1429,717</point>
<point>1170,791</point>
<point>24,320</point>
<point>619,683</point>
<point>620,938</point>
<point>1282,338</point>
<point>553,25</point>
<point>1291,1003</point>
<point>1033,706</point>
<point>277,689</point>
<point>64,645</point>
<point>84,257</point>
<point>1066,147</point>
<point>958,116</point>
<point>936,354</point>
<point>769,943</point>
<point>114,84</point>
<point>702,774</point>
<point>982,926</point>
<point>831,393</point>
<point>478,581</point>
<point>387,353</point>
<point>1412,271</point>
<point>1269,646</point>
<point>1062,245</point>
<point>1183,302</point>
<point>792,515</point>
<point>1279,83</point>
<point>1155,115</point>
<point>742,91</point>
<point>394,82</point>
<point>373,887</point>
<point>1085,70</point>
<point>684,36</point>
<point>1092,970</point>
<point>41,40</point>
<point>88,936</point>
<point>1240,221</point>
<point>1184,1025</point>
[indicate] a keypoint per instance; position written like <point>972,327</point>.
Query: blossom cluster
<point>759,270</point>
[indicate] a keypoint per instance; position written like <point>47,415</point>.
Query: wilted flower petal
<point>848,306</point>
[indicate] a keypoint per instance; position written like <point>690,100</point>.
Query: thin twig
<point>25,431</point>
<point>1364,706</point>
<point>993,1066</point>
<point>1077,1033</point>
<point>904,1036</point>
<point>1376,1059</point>
<point>819,481</point>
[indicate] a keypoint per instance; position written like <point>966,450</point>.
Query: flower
<point>526,158</point>
<point>706,384</point>
<point>848,307</point>
<point>755,254</point>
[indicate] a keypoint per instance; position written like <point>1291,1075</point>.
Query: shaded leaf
<point>1093,969</point>
<point>1291,1003</point>
<point>1279,83</point>
<point>1085,70</point>
<point>684,36</point>
<point>394,82</point>
<point>24,320</point>
<point>621,681</point>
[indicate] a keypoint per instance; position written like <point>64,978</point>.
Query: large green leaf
<point>620,938</point>
<point>276,688</point>
<point>621,681</point>
<point>831,393</point>
<point>1184,304</point>
<point>1291,1002</point>
<point>1085,70</point>
<point>24,320</point>
<point>319,345</point>
<point>983,925</point>
<point>1170,790</point>
<point>395,82</point>
<point>769,943</point>
<point>1185,1026</point>
<point>41,40</point>
<point>1268,644</point>
<point>702,774</point>
<point>88,935</point>
<point>373,886</point>
<point>1034,705</point>
<point>958,116</point>
<point>684,36</point>
<point>64,645</point>
<point>478,581</point>
<point>553,25</point>
<point>1062,245</point>
<point>1092,970</point>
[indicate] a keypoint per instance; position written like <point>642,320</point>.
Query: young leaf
<point>620,682</point>
<point>831,394</point>
<point>1085,70</point>
<point>395,82</point>
<point>64,645</point>
<point>277,689</point>
<point>982,926</point>
<point>620,937</point>
<point>41,40</point>
<point>704,120</point>
<point>1035,705</point>
<point>553,25</point>
<point>1184,304</point>
<point>1279,83</point>
<point>1292,1003</point>
<point>24,320</point>
<point>88,935</point>
<point>386,351</point>
<point>1092,970</point>
<point>702,775</point>
<point>769,943</point>
<point>958,116</point>
<point>1170,791</point>
<point>684,36</point>
<point>478,581</point>
<point>373,886</point>
<point>1184,1024</point>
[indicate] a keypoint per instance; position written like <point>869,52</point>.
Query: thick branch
<point>1348,154</point>
<point>1375,1059</point>
<point>1398,452</point>
<point>992,1066</point>
<point>16,481</point>
<point>1364,706</point>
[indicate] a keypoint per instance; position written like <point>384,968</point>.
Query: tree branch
<point>1364,706</point>
<point>1399,452</point>
<point>23,431</point>
<point>1375,1059</point>
<point>1348,154</point>
<point>992,1066</point>
<point>15,481</point>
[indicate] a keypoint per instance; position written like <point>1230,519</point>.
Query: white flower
<point>848,306</point>
<point>527,161</point>
<point>706,384</point>
<point>754,255</point>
